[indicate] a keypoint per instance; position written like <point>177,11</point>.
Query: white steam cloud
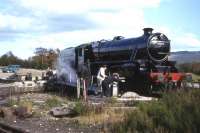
<point>65,66</point>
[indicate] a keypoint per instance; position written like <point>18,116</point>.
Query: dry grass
<point>196,77</point>
<point>104,114</point>
<point>107,116</point>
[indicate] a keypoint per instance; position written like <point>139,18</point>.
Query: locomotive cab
<point>83,54</point>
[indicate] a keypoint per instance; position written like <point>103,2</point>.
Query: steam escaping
<point>65,66</point>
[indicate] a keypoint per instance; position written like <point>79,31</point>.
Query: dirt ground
<point>23,71</point>
<point>34,72</point>
<point>42,121</point>
<point>42,125</point>
<point>5,75</point>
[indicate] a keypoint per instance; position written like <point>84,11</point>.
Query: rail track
<point>7,90</point>
<point>5,128</point>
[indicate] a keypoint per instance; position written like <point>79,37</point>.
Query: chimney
<point>147,31</point>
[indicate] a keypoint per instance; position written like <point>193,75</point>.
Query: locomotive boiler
<point>153,46</point>
<point>139,60</point>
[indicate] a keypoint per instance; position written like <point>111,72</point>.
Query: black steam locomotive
<point>139,60</point>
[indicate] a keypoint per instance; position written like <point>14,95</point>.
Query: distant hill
<point>185,56</point>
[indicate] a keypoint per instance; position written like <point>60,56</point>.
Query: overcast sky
<point>27,24</point>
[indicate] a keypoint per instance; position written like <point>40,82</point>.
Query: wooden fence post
<point>78,87</point>
<point>84,91</point>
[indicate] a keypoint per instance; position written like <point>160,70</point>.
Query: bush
<point>80,108</point>
<point>53,102</point>
<point>175,112</point>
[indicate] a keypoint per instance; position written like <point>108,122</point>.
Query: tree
<point>9,58</point>
<point>41,52</point>
<point>45,57</point>
<point>51,57</point>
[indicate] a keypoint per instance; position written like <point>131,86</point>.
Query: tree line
<point>193,67</point>
<point>43,59</point>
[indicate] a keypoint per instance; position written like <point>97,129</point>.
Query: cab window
<point>80,52</point>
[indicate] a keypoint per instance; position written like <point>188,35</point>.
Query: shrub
<point>53,102</point>
<point>175,112</point>
<point>80,108</point>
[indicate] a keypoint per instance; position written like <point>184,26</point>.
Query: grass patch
<point>175,112</point>
<point>13,102</point>
<point>24,103</point>
<point>104,118</point>
<point>21,108</point>
<point>53,102</point>
<point>112,100</point>
<point>86,109</point>
<point>195,77</point>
